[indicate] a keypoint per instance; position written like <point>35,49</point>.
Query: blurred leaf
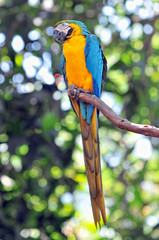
<point>49,121</point>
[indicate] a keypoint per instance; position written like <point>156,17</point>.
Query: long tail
<point>93,166</point>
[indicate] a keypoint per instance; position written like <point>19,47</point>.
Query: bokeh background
<point>43,187</point>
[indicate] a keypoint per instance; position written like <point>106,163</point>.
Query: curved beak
<point>58,35</point>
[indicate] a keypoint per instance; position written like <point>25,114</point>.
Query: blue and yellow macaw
<point>84,67</point>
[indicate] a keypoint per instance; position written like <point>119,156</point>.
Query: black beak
<point>57,35</point>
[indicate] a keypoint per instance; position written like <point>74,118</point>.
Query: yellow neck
<point>76,70</point>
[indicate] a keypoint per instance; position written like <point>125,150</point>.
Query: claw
<point>72,87</point>
<point>78,90</point>
<point>77,93</point>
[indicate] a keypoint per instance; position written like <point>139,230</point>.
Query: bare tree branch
<point>118,121</point>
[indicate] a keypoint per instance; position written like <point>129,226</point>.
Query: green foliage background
<point>43,187</point>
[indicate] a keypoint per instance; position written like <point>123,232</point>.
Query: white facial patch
<point>62,26</point>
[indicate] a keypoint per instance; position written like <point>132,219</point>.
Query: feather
<point>92,164</point>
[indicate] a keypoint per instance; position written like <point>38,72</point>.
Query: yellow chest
<point>76,70</point>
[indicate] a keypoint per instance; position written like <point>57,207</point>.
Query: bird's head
<point>67,29</point>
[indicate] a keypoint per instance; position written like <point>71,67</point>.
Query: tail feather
<point>96,212</point>
<point>93,167</point>
<point>91,181</point>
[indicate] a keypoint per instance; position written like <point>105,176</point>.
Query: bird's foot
<point>71,88</point>
<point>78,91</point>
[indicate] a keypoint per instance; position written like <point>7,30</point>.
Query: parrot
<point>84,68</point>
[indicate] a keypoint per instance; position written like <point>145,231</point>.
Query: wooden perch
<point>119,122</point>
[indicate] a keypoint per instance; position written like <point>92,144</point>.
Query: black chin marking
<point>69,32</point>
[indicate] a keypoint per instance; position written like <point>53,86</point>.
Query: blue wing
<point>95,63</point>
<point>63,70</point>
<point>97,66</point>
